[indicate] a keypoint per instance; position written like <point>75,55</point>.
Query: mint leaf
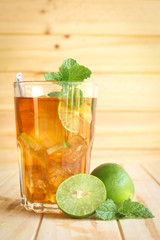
<point>70,62</point>
<point>135,209</point>
<point>51,76</point>
<point>64,73</point>
<point>108,211</point>
<point>69,71</point>
<point>78,73</point>
<point>55,94</point>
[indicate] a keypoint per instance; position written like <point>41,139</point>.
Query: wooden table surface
<point>18,224</point>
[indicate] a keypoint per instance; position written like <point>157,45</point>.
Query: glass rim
<point>54,82</point>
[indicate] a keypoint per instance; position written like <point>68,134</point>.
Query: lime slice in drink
<point>57,147</point>
<point>29,141</point>
<point>80,195</point>
<point>71,118</point>
<point>85,112</point>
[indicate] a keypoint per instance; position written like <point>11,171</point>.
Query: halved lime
<point>80,195</point>
<point>72,118</point>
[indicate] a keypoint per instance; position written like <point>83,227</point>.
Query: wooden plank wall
<point>120,42</point>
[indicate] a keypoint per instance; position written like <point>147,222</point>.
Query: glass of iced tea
<point>55,131</point>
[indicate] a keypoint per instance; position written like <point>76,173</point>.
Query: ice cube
<point>74,159</point>
<point>37,91</point>
<point>55,174</point>
<point>76,151</point>
<point>56,157</point>
<point>35,183</point>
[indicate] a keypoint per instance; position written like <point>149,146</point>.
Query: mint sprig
<point>108,210</point>
<point>135,209</point>
<point>69,71</point>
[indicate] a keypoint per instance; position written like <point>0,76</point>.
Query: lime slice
<point>29,141</point>
<point>80,195</point>
<point>57,147</point>
<point>85,112</point>
<point>71,118</point>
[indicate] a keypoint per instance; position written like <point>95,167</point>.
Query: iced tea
<point>54,143</point>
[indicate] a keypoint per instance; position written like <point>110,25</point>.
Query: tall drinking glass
<point>55,131</point>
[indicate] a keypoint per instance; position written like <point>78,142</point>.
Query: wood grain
<point>15,223</point>
<point>80,17</point>
<point>117,92</point>
<point>18,224</point>
<point>152,169</point>
<point>100,53</point>
<point>120,42</point>
<point>147,191</point>
<point>137,141</point>
<point>149,157</point>
<point>9,157</point>
<point>7,172</point>
<point>113,130</point>
<point>107,123</point>
<point>8,165</point>
<point>70,229</point>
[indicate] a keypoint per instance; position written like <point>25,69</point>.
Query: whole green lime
<point>118,183</point>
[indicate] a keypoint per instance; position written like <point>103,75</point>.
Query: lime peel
<point>118,183</point>
<point>57,147</point>
<point>29,141</point>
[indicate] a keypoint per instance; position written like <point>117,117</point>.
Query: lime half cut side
<point>80,195</point>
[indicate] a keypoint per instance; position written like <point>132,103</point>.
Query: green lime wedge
<point>80,195</point>
<point>72,118</point>
<point>29,141</point>
<point>57,147</point>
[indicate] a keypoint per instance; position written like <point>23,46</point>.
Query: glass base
<point>40,207</point>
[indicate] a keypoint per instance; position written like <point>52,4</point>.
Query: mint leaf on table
<point>108,211</point>
<point>135,209</point>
